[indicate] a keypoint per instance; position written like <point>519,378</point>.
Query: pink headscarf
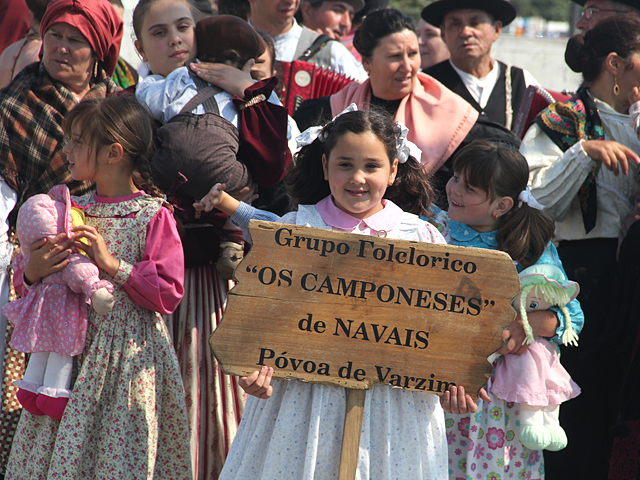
<point>96,20</point>
<point>438,119</point>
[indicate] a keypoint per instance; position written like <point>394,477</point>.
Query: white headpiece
<point>526,197</point>
<point>404,147</point>
<point>310,134</point>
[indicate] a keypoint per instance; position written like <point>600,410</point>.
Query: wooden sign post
<point>356,311</point>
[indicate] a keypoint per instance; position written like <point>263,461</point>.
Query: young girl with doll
<point>126,415</point>
<point>490,206</point>
<point>347,177</point>
<point>165,38</point>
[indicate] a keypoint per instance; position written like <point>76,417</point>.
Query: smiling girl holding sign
<point>344,179</point>
<point>490,206</point>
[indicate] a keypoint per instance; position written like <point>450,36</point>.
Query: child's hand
<point>544,323</point>
<point>258,383</point>
<point>210,200</point>
<point>456,401</point>
<point>634,95</point>
<point>217,198</point>
<point>47,256</point>
<point>97,250</point>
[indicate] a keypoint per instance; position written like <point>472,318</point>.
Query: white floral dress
<point>126,418</point>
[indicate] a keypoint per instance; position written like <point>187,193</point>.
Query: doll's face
<point>533,303</point>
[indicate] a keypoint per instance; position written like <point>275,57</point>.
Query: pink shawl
<point>438,119</point>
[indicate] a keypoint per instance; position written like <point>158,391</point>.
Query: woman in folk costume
<point>583,157</point>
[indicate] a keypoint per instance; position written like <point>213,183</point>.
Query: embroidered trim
<point>124,271</point>
<point>254,101</point>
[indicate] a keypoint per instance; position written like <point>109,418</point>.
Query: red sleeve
<point>263,133</point>
<point>157,281</point>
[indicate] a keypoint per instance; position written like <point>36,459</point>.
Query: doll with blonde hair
<point>536,380</point>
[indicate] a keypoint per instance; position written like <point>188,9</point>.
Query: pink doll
<point>50,323</point>
<point>536,379</point>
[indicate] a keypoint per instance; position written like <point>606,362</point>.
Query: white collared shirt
<point>342,59</point>
<point>481,88</point>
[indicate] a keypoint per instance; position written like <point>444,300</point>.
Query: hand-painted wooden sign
<point>356,311</point>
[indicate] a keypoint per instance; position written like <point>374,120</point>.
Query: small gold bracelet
<point>253,101</point>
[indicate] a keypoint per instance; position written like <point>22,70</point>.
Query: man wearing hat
<point>295,42</point>
<point>469,29</point>
<point>596,10</point>
<point>330,17</point>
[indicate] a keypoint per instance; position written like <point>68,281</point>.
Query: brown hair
<point>123,120</point>
<point>502,171</point>
<point>586,53</point>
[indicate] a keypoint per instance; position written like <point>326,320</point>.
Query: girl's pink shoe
<point>51,406</point>
<point>28,400</point>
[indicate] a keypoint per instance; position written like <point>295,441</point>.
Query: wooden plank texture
<point>355,311</point>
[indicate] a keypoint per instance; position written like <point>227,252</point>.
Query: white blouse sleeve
<point>554,177</point>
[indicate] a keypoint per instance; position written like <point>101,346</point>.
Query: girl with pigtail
<point>490,206</point>
<point>126,413</point>
<point>343,179</point>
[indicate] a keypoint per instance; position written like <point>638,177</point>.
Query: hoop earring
<point>616,87</point>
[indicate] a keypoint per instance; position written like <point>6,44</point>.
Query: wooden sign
<point>355,311</point>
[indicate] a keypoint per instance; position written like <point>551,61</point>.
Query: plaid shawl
<point>32,107</point>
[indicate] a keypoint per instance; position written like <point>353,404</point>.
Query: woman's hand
<point>456,401</point>
<point>97,250</point>
<point>258,383</point>
<point>47,256</point>
<point>544,323</point>
<point>228,78</point>
<point>612,154</point>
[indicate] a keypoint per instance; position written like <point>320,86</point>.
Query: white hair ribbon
<point>310,134</point>
<point>526,197</point>
<point>405,148</point>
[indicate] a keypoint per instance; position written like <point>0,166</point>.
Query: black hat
<point>502,10</point>
<point>632,3</point>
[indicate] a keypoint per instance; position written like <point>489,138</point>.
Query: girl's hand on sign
<point>258,383</point>
<point>457,402</point>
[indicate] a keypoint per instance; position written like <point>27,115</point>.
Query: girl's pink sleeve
<point>157,281</point>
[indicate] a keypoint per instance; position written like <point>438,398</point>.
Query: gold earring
<point>95,70</point>
<point>616,87</point>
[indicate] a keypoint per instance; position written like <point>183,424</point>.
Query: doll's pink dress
<point>53,315</point>
<point>536,377</point>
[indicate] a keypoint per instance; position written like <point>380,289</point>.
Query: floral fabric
<point>126,417</point>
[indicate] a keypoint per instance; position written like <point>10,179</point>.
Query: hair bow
<point>405,148</point>
<point>526,197</point>
<point>310,134</point>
